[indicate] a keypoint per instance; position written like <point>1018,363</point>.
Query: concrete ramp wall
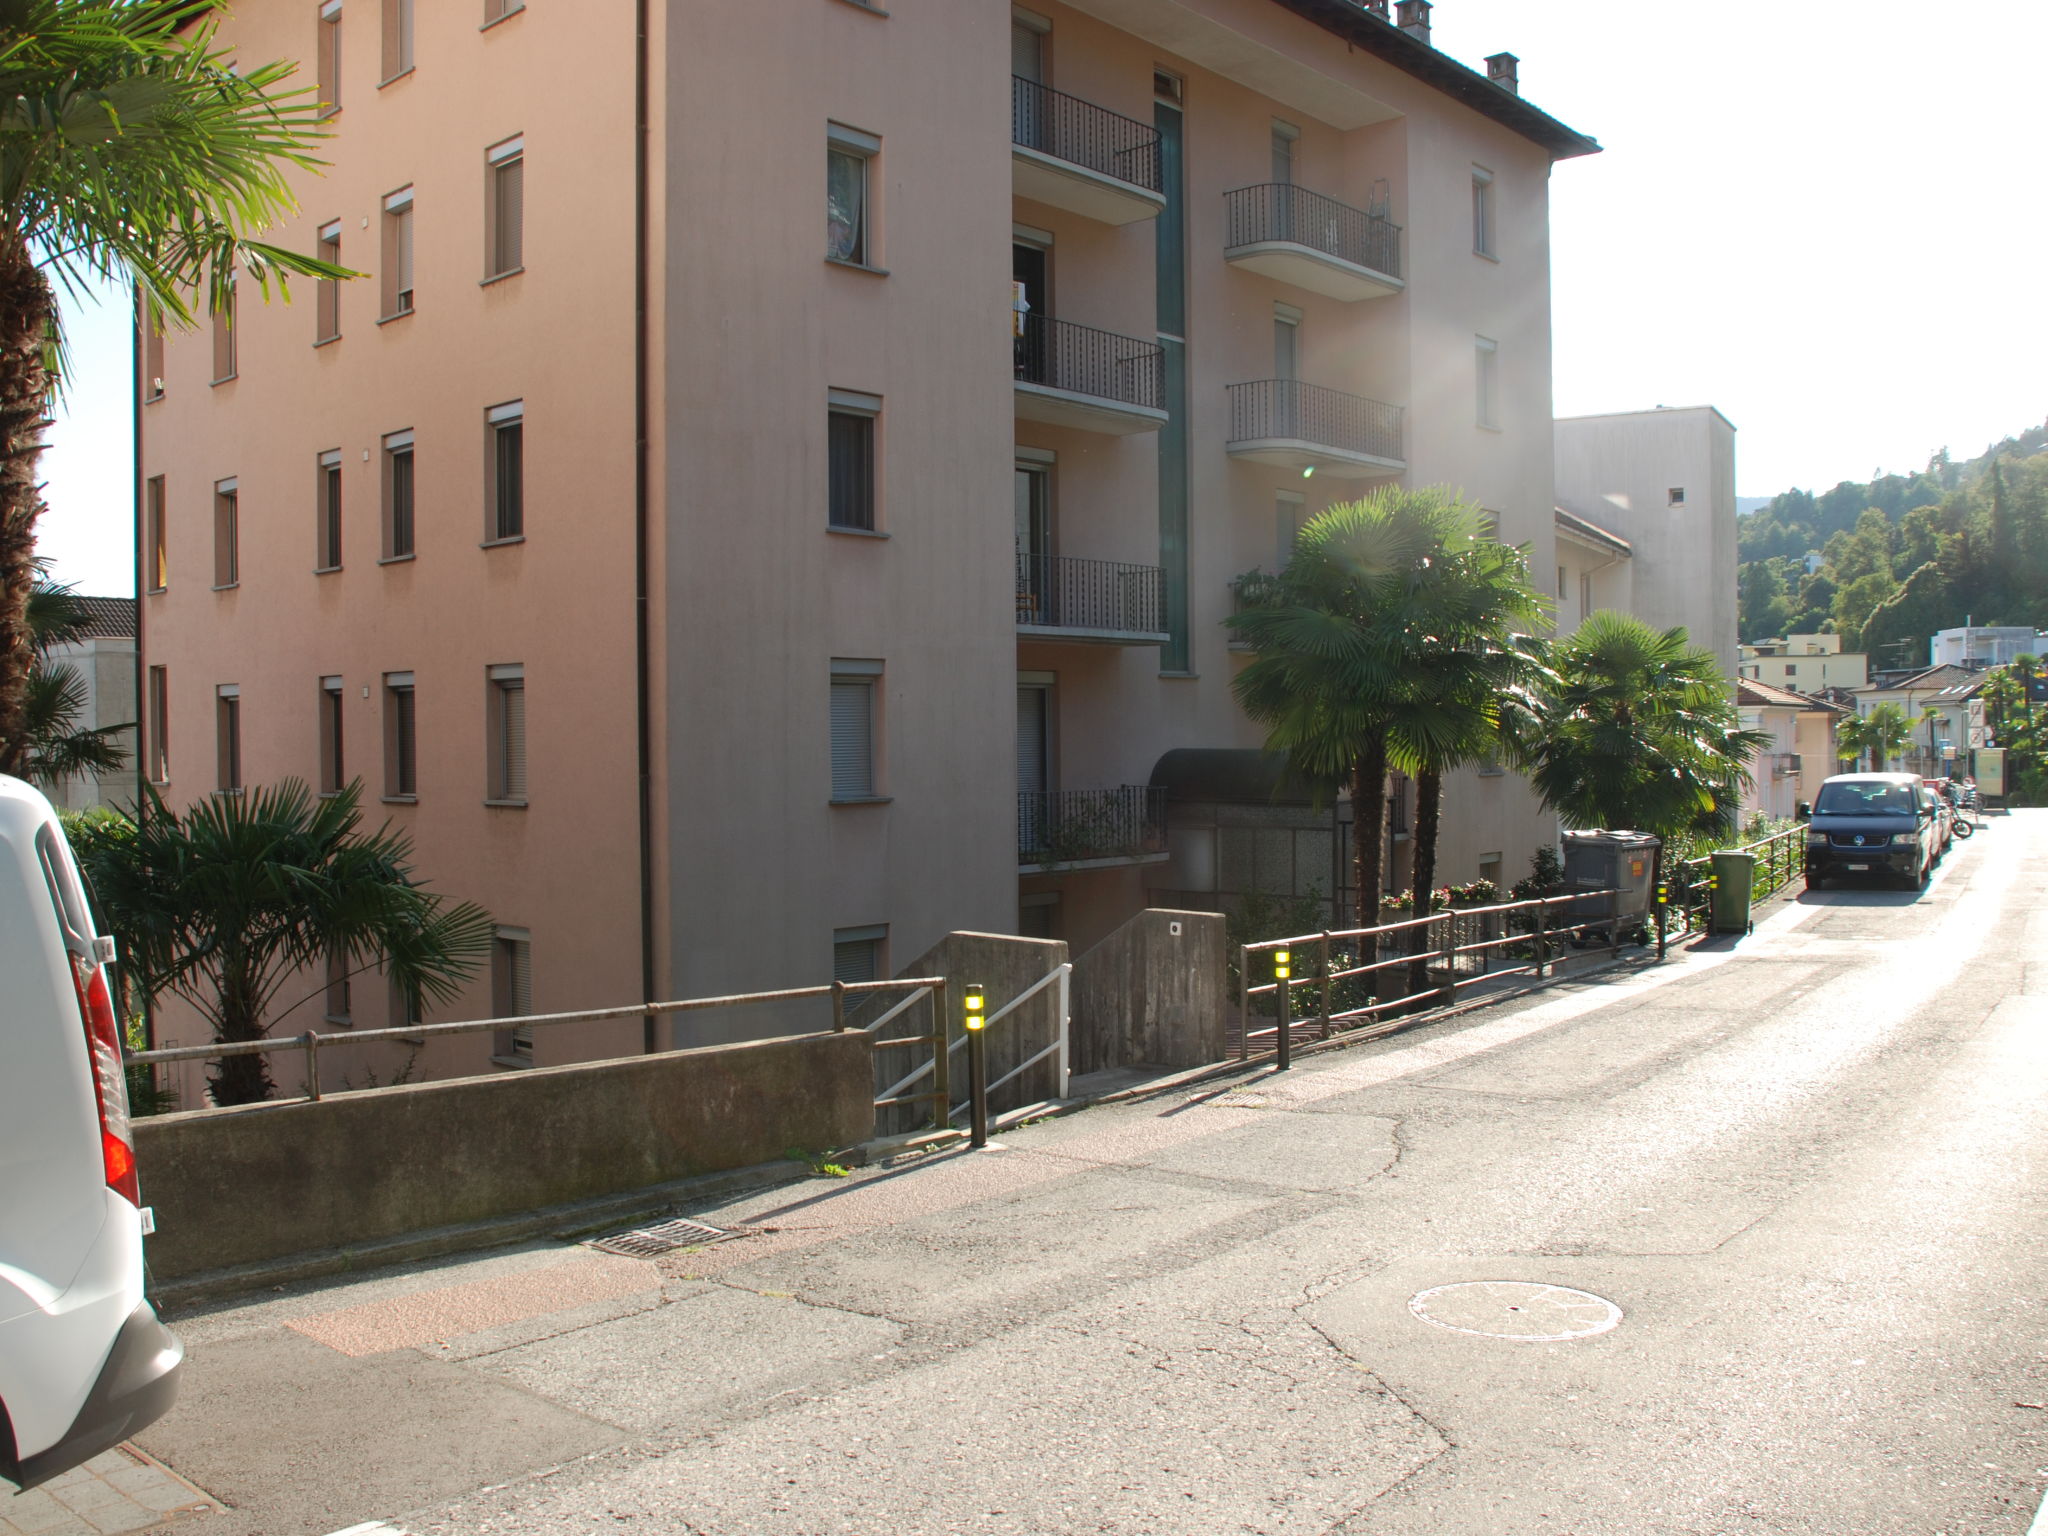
<point>1154,992</point>
<point>266,1181</point>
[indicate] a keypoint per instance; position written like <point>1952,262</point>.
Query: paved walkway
<point>1748,1242</point>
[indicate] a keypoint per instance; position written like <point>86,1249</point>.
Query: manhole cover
<point>1515,1309</point>
<point>649,1242</point>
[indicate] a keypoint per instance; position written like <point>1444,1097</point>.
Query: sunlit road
<point>1783,1196</point>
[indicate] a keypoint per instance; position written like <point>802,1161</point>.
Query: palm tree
<point>58,748</point>
<point>243,895</point>
<point>1637,729</point>
<point>1880,735</point>
<point>2025,670</point>
<point>2000,692</point>
<point>1333,635</point>
<point>132,148</point>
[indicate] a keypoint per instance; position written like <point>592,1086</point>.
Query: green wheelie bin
<point>1734,884</point>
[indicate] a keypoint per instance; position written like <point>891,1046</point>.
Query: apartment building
<point>1806,663</point>
<point>1664,480</point>
<point>659,583</point>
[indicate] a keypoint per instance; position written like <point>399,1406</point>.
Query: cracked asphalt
<point>1804,1166</point>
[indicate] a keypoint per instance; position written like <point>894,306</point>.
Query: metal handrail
<point>1779,858</point>
<point>1065,592</point>
<point>313,1041</point>
<point>1062,974</point>
<point>1059,354</point>
<point>1061,826</point>
<point>1291,409</point>
<point>1281,211</point>
<point>1081,133</point>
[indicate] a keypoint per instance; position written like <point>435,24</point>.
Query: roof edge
<point>1385,41</point>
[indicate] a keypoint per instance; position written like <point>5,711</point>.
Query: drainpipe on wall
<point>142,747</point>
<point>649,1029</point>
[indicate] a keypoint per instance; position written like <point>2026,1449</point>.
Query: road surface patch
<point>424,1318</point>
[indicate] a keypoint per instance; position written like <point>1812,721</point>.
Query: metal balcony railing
<point>1061,355</point>
<point>1081,133</point>
<point>1069,826</point>
<point>1288,408</point>
<point>1784,765</point>
<point>1280,211</point>
<point>1056,592</point>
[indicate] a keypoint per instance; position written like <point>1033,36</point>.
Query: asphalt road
<point>1771,1213</point>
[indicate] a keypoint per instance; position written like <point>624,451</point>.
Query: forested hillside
<point>1904,555</point>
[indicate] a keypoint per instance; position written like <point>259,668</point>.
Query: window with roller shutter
<point>401,742</point>
<point>505,208</point>
<point>507,729</point>
<point>857,953</point>
<point>853,729</point>
<point>512,994</point>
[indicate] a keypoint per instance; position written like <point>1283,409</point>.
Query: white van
<point>84,1363</point>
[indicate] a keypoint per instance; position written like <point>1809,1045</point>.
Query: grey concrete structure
<point>1801,1167</point>
<point>1155,993</point>
<point>1665,481</point>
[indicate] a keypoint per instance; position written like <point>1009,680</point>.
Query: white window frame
<point>1485,215</point>
<point>842,139</point>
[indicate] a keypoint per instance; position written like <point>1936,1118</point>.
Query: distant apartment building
<point>1800,753</point>
<point>1806,663</point>
<point>1984,645</point>
<point>633,529</point>
<point>1663,480</point>
<point>102,660</point>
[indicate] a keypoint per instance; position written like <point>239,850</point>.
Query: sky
<point>1816,215</point>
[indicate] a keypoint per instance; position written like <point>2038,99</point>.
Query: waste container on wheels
<point>1734,885</point>
<point>1609,861</point>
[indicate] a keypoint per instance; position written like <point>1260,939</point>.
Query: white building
<point>1664,481</point>
<point>1984,645</point>
<point>103,659</point>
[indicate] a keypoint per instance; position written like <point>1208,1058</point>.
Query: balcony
<point>1103,602</point>
<point>1090,828</point>
<point>1300,426</point>
<point>1301,237</point>
<point>1086,159</point>
<point>1784,765</point>
<point>1096,381</point>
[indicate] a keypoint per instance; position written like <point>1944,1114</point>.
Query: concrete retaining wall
<point>1153,992</point>
<point>264,1181</point>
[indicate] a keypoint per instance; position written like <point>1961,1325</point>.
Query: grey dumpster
<point>1609,861</point>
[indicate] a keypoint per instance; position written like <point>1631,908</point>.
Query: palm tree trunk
<point>26,313</point>
<point>1368,844</point>
<point>1429,798</point>
<point>239,1079</point>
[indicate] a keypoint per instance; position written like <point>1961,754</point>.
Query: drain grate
<point>665,1237</point>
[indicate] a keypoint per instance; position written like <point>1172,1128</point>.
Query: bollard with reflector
<point>976,1019</point>
<point>1283,972</point>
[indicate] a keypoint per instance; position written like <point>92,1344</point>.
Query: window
<point>226,534</point>
<point>848,214</point>
<point>398,253</point>
<point>505,472</point>
<point>327,520</point>
<point>152,352</point>
<point>327,53</point>
<point>397,38</point>
<point>1286,342</point>
<point>860,954</point>
<point>158,725</point>
<point>1676,496</point>
<point>401,742</point>
<point>1560,585</point>
<point>223,310</point>
<point>504,207</point>
<point>327,290</point>
<point>505,727</point>
<point>406,1011</point>
<point>1284,137</point>
<point>1482,212</point>
<point>1489,523</point>
<point>498,10</point>
<point>853,729</point>
<point>398,496</point>
<point>1167,89</point>
<point>227,720</point>
<point>1585,594</point>
<point>1486,371</point>
<point>337,987</point>
<point>512,994</point>
<point>850,472</point>
<point>159,572</point>
<point>332,773</point>
<point>1289,513</point>
<point>1791,669</point>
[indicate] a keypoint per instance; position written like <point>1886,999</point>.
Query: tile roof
<point>1761,695</point>
<point>108,618</point>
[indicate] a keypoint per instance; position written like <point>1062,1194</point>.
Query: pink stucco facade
<point>689,291</point>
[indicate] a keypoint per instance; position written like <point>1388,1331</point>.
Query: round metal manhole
<point>1515,1309</point>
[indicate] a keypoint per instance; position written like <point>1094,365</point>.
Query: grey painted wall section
<point>268,1181</point>
<point>1619,471</point>
<point>1152,993</point>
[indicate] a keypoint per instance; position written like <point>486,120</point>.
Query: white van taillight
<point>109,1080</point>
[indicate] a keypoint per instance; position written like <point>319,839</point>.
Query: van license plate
<point>1859,868</point>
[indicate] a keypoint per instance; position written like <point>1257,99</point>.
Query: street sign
<point>1991,771</point>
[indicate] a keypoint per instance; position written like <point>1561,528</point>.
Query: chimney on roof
<point>1505,71</point>
<point>1414,18</point>
<point>1377,7</point>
